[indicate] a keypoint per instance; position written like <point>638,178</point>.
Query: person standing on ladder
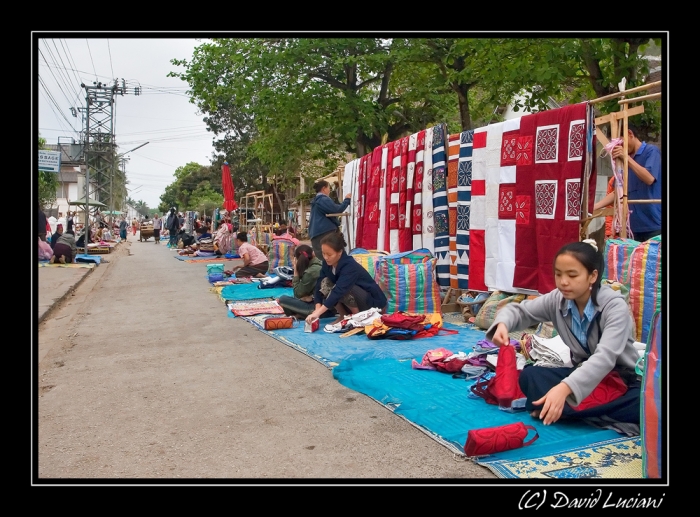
<point>319,225</point>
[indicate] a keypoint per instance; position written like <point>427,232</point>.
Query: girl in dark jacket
<point>343,283</point>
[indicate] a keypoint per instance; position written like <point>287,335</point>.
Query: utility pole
<point>98,137</point>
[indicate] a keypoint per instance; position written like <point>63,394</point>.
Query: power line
<point>58,83</point>
<point>89,52</point>
<point>64,70</point>
<point>110,58</point>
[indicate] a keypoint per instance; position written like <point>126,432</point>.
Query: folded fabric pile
<point>551,352</point>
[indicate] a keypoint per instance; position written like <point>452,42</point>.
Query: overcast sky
<point>161,115</point>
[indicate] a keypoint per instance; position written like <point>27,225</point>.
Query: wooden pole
<point>624,93</point>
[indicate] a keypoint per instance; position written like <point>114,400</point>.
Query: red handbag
<point>503,388</point>
<point>490,440</point>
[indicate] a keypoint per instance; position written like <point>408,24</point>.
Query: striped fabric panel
<point>645,285</point>
<point>440,213</point>
<point>452,185</point>
<point>464,200</point>
<point>281,253</point>
<point>651,422</point>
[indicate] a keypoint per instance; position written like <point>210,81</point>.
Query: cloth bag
<point>287,322</point>
<point>503,388</point>
<point>490,440</point>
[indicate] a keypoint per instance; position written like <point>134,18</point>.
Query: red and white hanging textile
<point>550,164</point>
<point>452,198</point>
<point>505,264</point>
<point>405,236</point>
<point>410,185</point>
<point>394,197</point>
<point>360,201</point>
<point>383,232</point>
<point>428,225</point>
<point>483,220</point>
<point>371,229</point>
<point>417,210</point>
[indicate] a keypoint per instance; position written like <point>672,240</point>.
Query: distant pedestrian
<point>70,222</point>
<point>134,226</point>
<point>122,228</point>
<point>157,224</point>
<point>173,226</point>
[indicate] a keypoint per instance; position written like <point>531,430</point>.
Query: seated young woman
<point>45,250</point>
<point>307,268</point>
<point>255,263</point>
<point>595,323</point>
<point>343,283</point>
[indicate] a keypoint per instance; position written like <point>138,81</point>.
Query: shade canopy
<point>81,202</point>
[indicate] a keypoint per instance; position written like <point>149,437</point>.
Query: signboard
<point>49,161</point>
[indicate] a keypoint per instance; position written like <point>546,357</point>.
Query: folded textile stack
<point>550,352</point>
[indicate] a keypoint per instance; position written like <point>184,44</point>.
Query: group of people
<point>593,320</point>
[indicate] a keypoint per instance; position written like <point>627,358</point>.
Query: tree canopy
<point>279,107</point>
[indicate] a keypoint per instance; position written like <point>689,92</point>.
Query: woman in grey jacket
<point>596,324</point>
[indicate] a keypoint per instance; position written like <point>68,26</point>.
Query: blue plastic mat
<point>82,257</point>
<point>440,406</point>
<point>241,292</point>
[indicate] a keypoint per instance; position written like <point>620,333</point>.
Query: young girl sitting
<point>594,322</point>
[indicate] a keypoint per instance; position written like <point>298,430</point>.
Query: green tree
<point>311,99</point>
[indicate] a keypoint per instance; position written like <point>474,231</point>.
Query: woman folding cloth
<point>307,268</point>
<point>255,263</point>
<point>343,283</point>
<point>65,249</point>
<point>595,323</point>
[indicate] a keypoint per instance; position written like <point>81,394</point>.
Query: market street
<point>143,376</point>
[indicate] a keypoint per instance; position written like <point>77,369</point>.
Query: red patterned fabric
<point>417,211</point>
<point>405,235</point>
<point>360,201</point>
<point>410,186</point>
<point>394,197</point>
<point>371,210</point>
<point>550,154</point>
<point>388,171</point>
<point>611,387</point>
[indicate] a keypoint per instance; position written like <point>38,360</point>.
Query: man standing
<point>122,228</point>
<point>173,225</point>
<point>643,183</point>
<point>319,224</point>
<point>69,222</point>
<point>157,224</point>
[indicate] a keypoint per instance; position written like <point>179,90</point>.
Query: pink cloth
<point>287,237</point>
<point>45,250</point>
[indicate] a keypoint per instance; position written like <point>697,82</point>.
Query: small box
<point>311,327</point>
<point>215,268</point>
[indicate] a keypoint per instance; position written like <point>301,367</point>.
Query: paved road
<point>143,376</point>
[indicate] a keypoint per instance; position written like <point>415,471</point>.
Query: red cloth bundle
<point>490,440</point>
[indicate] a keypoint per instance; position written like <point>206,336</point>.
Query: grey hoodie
<point>610,335</point>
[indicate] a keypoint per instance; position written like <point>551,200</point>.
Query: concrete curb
<point>68,293</point>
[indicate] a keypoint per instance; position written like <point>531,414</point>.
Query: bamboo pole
<point>643,87</point>
<point>649,97</point>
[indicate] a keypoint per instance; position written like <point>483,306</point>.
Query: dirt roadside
<point>146,378</point>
